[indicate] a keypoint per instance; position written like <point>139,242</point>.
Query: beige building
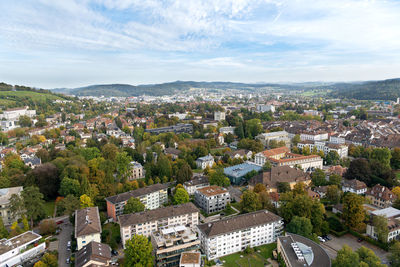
<point>380,196</point>
<point>93,254</point>
<point>5,195</point>
<point>136,171</point>
<point>266,138</point>
<point>146,222</point>
<point>87,226</point>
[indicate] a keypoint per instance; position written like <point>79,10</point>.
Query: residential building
<point>190,259</point>
<point>393,223</point>
<point>380,196</point>
<point>204,162</point>
<point>282,157</point>
<point>173,152</point>
<point>299,251</point>
<point>280,174</point>
<point>317,136</point>
<point>5,212</point>
<point>212,198</point>
<point>325,147</point>
<point>10,117</point>
<point>153,197</point>
<point>227,130</point>
<point>170,241</point>
<point>93,254</point>
<point>136,171</point>
<point>280,136</point>
<point>179,128</point>
<point>32,162</point>
<point>195,184</point>
<point>354,186</point>
<point>240,154</point>
<point>219,115</point>
<point>146,222</point>
<point>87,226</point>
<point>237,173</point>
<point>312,112</point>
<point>20,248</point>
<point>265,108</point>
<point>234,234</point>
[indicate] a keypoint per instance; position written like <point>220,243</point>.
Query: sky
<point>72,43</point>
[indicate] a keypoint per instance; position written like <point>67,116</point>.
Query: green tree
<point>217,177</point>
<point>394,256</point>
<point>109,151</point>
<point>138,252</point>
<point>333,193</point>
<point>368,257</point>
<point>123,160</point>
<point>267,166</point>
<point>283,187</point>
<point>33,203</point>
<point>50,260</point>
<point>85,201</point>
<point>380,224</point>
<point>70,186</point>
<point>184,173</point>
<point>296,139</point>
<point>249,202</point>
<point>346,257</point>
<point>253,127</point>
<point>395,160</point>
<point>332,158</point>
<point>353,211</point>
<point>318,177</point>
<point>68,205</point>
<point>301,226</point>
<point>133,205</point>
<point>335,179</point>
<point>181,196</point>
<point>164,166</point>
<point>3,230</point>
<point>24,121</point>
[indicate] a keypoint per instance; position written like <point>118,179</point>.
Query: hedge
<point>369,240</point>
<point>338,234</point>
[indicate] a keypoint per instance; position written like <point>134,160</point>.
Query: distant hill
<point>157,89</point>
<point>371,90</point>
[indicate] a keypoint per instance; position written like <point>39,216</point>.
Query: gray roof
<point>156,214</point>
<point>6,193</point>
<point>238,222</point>
<point>205,158</point>
<point>314,254</point>
<point>33,160</point>
<point>197,180</point>
<point>93,251</point>
<point>136,193</point>
<point>87,222</point>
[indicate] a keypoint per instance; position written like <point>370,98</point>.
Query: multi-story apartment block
<point>204,162</point>
<point>380,196</point>
<point>282,157</point>
<point>153,197</point>
<point>146,222</point>
<point>212,198</point>
<point>219,115</point>
<point>5,212</point>
<point>169,242</point>
<point>136,171</point>
<point>393,219</point>
<point>190,259</point>
<point>179,128</point>
<point>314,136</point>
<point>93,254</point>
<point>195,184</point>
<point>20,248</point>
<point>325,147</point>
<point>87,226</point>
<point>231,235</point>
<point>227,130</point>
<point>354,186</point>
<point>265,108</point>
<point>266,138</point>
<point>298,251</point>
<point>9,118</point>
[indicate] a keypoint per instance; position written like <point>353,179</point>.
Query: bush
<point>335,224</point>
<point>47,227</point>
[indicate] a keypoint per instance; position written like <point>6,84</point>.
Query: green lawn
<point>236,205</point>
<point>33,95</point>
<point>252,260</point>
<point>49,208</point>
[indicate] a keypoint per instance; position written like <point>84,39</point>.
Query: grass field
<point>255,259</point>
<point>33,95</point>
<point>49,208</point>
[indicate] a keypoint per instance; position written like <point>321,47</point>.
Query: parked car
<point>68,261</point>
<point>359,240</point>
<point>326,237</point>
<point>321,239</point>
<point>114,252</point>
<point>69,245</point>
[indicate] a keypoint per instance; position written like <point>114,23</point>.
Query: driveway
<point>63,238</point>
<point>332,246</point>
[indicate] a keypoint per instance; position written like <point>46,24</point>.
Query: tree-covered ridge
<point>373,90</point>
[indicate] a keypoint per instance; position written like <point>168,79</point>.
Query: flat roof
<point>241,169</point>
<point>190,258</point>
<point>388,212</point>
<point>18,241</point>
<point>212,190</point>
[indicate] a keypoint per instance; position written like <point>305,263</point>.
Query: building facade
<point>93,254</point>
<point>179,128</point>
<point>196,183</point>
<point>354,186</point>
<point>393,223</point>
<point>5,212</point>
<point>204,162</point>
<point>380,196</point>
<point>219,115</point>
<point>146,222</point>
<point>325,147</point>
<point>212,198</point>
<point>136,171</point>
<point>231,235</point>
<point>266,138</point>
<point>153,197</point>
<point>87,226</point>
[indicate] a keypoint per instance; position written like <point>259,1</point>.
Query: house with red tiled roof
<point>380,196</point>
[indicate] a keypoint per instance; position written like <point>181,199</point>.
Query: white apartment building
<point>313,136</point>
<point>5,212</point>
<point>20,248</point>
<point>212,198</point>
<point>146,222</point>
<point>393,217</point>
<point>231,235</point>
<point>325,147</point>
<point>337,140</point>
<point>136,171</point>
<point>354,186</point>
<point>204,162</point>
<point>265,138</point>
<point>265,108</point>
<point>219,115</point>
<point>9,118</point>
<point>196,183</point>
<point>87,226</point>
<point>227,130</point>
<point>153,197</point>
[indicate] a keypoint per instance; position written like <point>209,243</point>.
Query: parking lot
<point>332,246</point>
<point>63,238</point>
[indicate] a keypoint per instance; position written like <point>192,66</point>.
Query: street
<point>63,238</point>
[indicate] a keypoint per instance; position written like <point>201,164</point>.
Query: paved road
<point>63,238</point>
<point>332,246</point>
